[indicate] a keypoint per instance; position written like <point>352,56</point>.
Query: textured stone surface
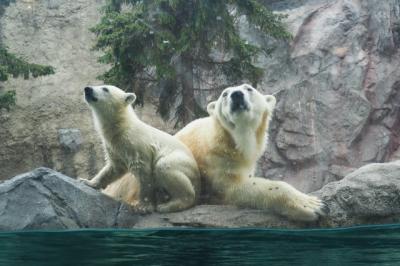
<point>45,199</point>
<point>70,138</point>
<point>54,33</point>
<point>369,195</point>
<point>209,216</point>
<point>337,85</point>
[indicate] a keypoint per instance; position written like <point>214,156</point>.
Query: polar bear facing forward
<point>159,161</point>
<point>227,145</point>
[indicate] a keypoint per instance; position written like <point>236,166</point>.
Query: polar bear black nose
<point>89,94</point>
<point>238,102</point>
<point>237,96</point>
<point>88,90</point>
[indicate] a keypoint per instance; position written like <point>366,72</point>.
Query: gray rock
<point>54,4</point>
<point>222,216</point>
<point>70,138</point>
<point>45,199</point>
<point>369,195</point>
<point>339,89</point>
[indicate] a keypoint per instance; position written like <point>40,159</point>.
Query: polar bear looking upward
<point>159,161</point>
<point>226,146</point>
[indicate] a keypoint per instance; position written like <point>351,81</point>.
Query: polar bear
<point>159,161</point>
<point>226,146</point>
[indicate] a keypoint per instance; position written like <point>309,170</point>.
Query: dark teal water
<point>352,246</point>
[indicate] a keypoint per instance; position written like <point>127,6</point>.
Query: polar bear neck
<point>249,141</point>
<point>114,124</point>
<point>246,142</point>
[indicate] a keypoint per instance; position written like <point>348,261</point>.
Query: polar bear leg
<point>106,176</point>
<point>277,196</point>
<point>175,180</point>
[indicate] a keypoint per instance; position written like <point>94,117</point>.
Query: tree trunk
<point>186,110</point>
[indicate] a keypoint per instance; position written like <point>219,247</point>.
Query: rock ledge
<point>46,199</point>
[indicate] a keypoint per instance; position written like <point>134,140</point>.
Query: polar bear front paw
<point>89,183</point>
<point>307,208</point>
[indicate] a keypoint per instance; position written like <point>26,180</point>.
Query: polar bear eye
<point>249,89</point>
<point>105,89</point>
<point>224,94</point>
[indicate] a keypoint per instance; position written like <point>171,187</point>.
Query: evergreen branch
<point>174,37</point>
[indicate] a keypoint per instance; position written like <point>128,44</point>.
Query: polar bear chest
<point>134,158</point>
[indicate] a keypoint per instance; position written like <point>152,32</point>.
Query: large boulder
<point>369,195</point>
<point>46,199</point>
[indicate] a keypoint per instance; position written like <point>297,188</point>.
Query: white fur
<point>242,126</point>
<point>155,158</point>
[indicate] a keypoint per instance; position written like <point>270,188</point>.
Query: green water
<point>351,246</point>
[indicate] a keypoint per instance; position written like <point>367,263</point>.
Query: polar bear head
<point>242,106</point>
<point>107,100</point>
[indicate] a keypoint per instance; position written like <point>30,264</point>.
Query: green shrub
<point>7,100</point>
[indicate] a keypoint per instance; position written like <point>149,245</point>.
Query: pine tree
<point>11,65</point>
<point>162,42</point>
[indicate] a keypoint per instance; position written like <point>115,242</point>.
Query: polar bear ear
<point>211,107</point>
<point>130,98</point>
<point>271,100</point>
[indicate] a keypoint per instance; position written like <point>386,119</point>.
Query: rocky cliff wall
<point>337,84</point>
<point>51,124</point>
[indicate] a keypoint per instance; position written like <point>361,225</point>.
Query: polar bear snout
<point>88,90</point>
<point>89,94</point>
<point>237,96</point>
<point>238,102</point>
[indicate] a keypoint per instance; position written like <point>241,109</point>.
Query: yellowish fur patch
<point>126,189</point>
<point>262,129</point>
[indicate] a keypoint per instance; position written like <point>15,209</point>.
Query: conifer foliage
<point>13,66</point>
<point>163,42</point>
